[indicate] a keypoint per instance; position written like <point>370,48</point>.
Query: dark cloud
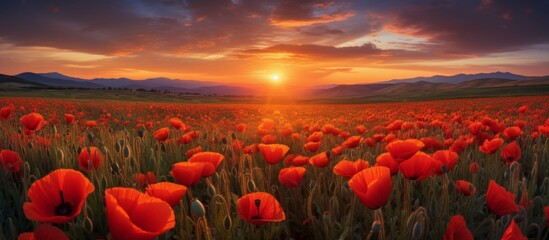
<point>477,27</point>
<point>319,51</point>
<point>307,27</point>
<point>119,27</point>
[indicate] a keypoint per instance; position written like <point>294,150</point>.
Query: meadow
<point>117,169</point>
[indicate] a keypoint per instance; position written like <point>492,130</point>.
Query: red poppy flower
<point>268,139</point>
<point>44,232</point>
<point>260,208</point>
<point>457,229</point>
<point>512,133</point>
<point>69,118</point>
<point>372,186</point>
<point>32,121</point>
<point>241,127</point>
<point>177,123</point>
<point>142,179</point>
<point>237,145</point>
<point>135,215</point>
<point>291,176</point>
<point>273,153</point>
<point>320,160</point>
<point>466,187</point>
<point>286,130</point>
<point>418,167</point>
<point>88,161</point>
<point>296,160</point>
<point>189,173</point>
<point>211,158</point>
<point>513,232</point>
<point>312,146</point>
<point>11,161</point>
<point>167,191</point>
<point>361,129</point>
<point>315,137</point>
<point>491,146</point>
<point>193,151</point>
<point>386,160</point>
<point>511,153</point>
<point>348,169</point>
<point>499,200</point>
<point>5,112</point>
<point>445,160</point>
<point>402,150</point>
<point>91,123</point>
<point>58,197</point>
<point>459,145</point>
<point>161,134</point>
<point>352,142</point>
<point>337,150</point>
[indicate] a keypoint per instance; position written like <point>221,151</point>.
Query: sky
<point>302,42</point>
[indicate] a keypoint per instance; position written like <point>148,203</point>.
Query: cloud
<point>311,51</point>
<point>478,27</point>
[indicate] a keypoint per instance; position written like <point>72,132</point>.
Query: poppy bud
<point>117,147</point>
<point>211,190</point>
<point>505,220</point>
<point>140,133</point>
<point>114,167</point>
<point>197,208</point>
<point>251,185</point>
<point>473,168</point>
<point>61,154</point>
<point>519,217</point>
<point>126,151</point>
<point>417,231</point>
<point>227,222</point>
<point>326,217</point>
<point>376,227</point>
<point>312,184</point>
<point>90,137</point>
<point>233,136</point>
<point>224,140</point>
<point>10,147</point>
<point>30,145</point>
<point>328,153</point>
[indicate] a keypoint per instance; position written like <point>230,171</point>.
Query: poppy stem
<point>379,217</point>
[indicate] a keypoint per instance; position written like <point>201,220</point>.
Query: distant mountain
<point>421,89</point>
<point>412,88</point>
<point>60,76</point>
<point>460,78</point>
<point>151,83</point>
<point>56,82</point>
<point>15,82</point>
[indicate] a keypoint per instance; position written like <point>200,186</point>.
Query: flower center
<point>63,209</point>
<point>257,204</point>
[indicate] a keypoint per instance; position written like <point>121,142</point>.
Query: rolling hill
<point>413,88</point>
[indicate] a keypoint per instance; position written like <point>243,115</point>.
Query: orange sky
<point>303,42</point>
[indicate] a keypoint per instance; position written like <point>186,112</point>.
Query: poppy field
<point>445,169</point>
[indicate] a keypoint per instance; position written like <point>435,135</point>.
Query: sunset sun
<point>275,78</point>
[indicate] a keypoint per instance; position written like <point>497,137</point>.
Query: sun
<point>275,78</point>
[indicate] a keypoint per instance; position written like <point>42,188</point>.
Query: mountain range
<point>403,88</point>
